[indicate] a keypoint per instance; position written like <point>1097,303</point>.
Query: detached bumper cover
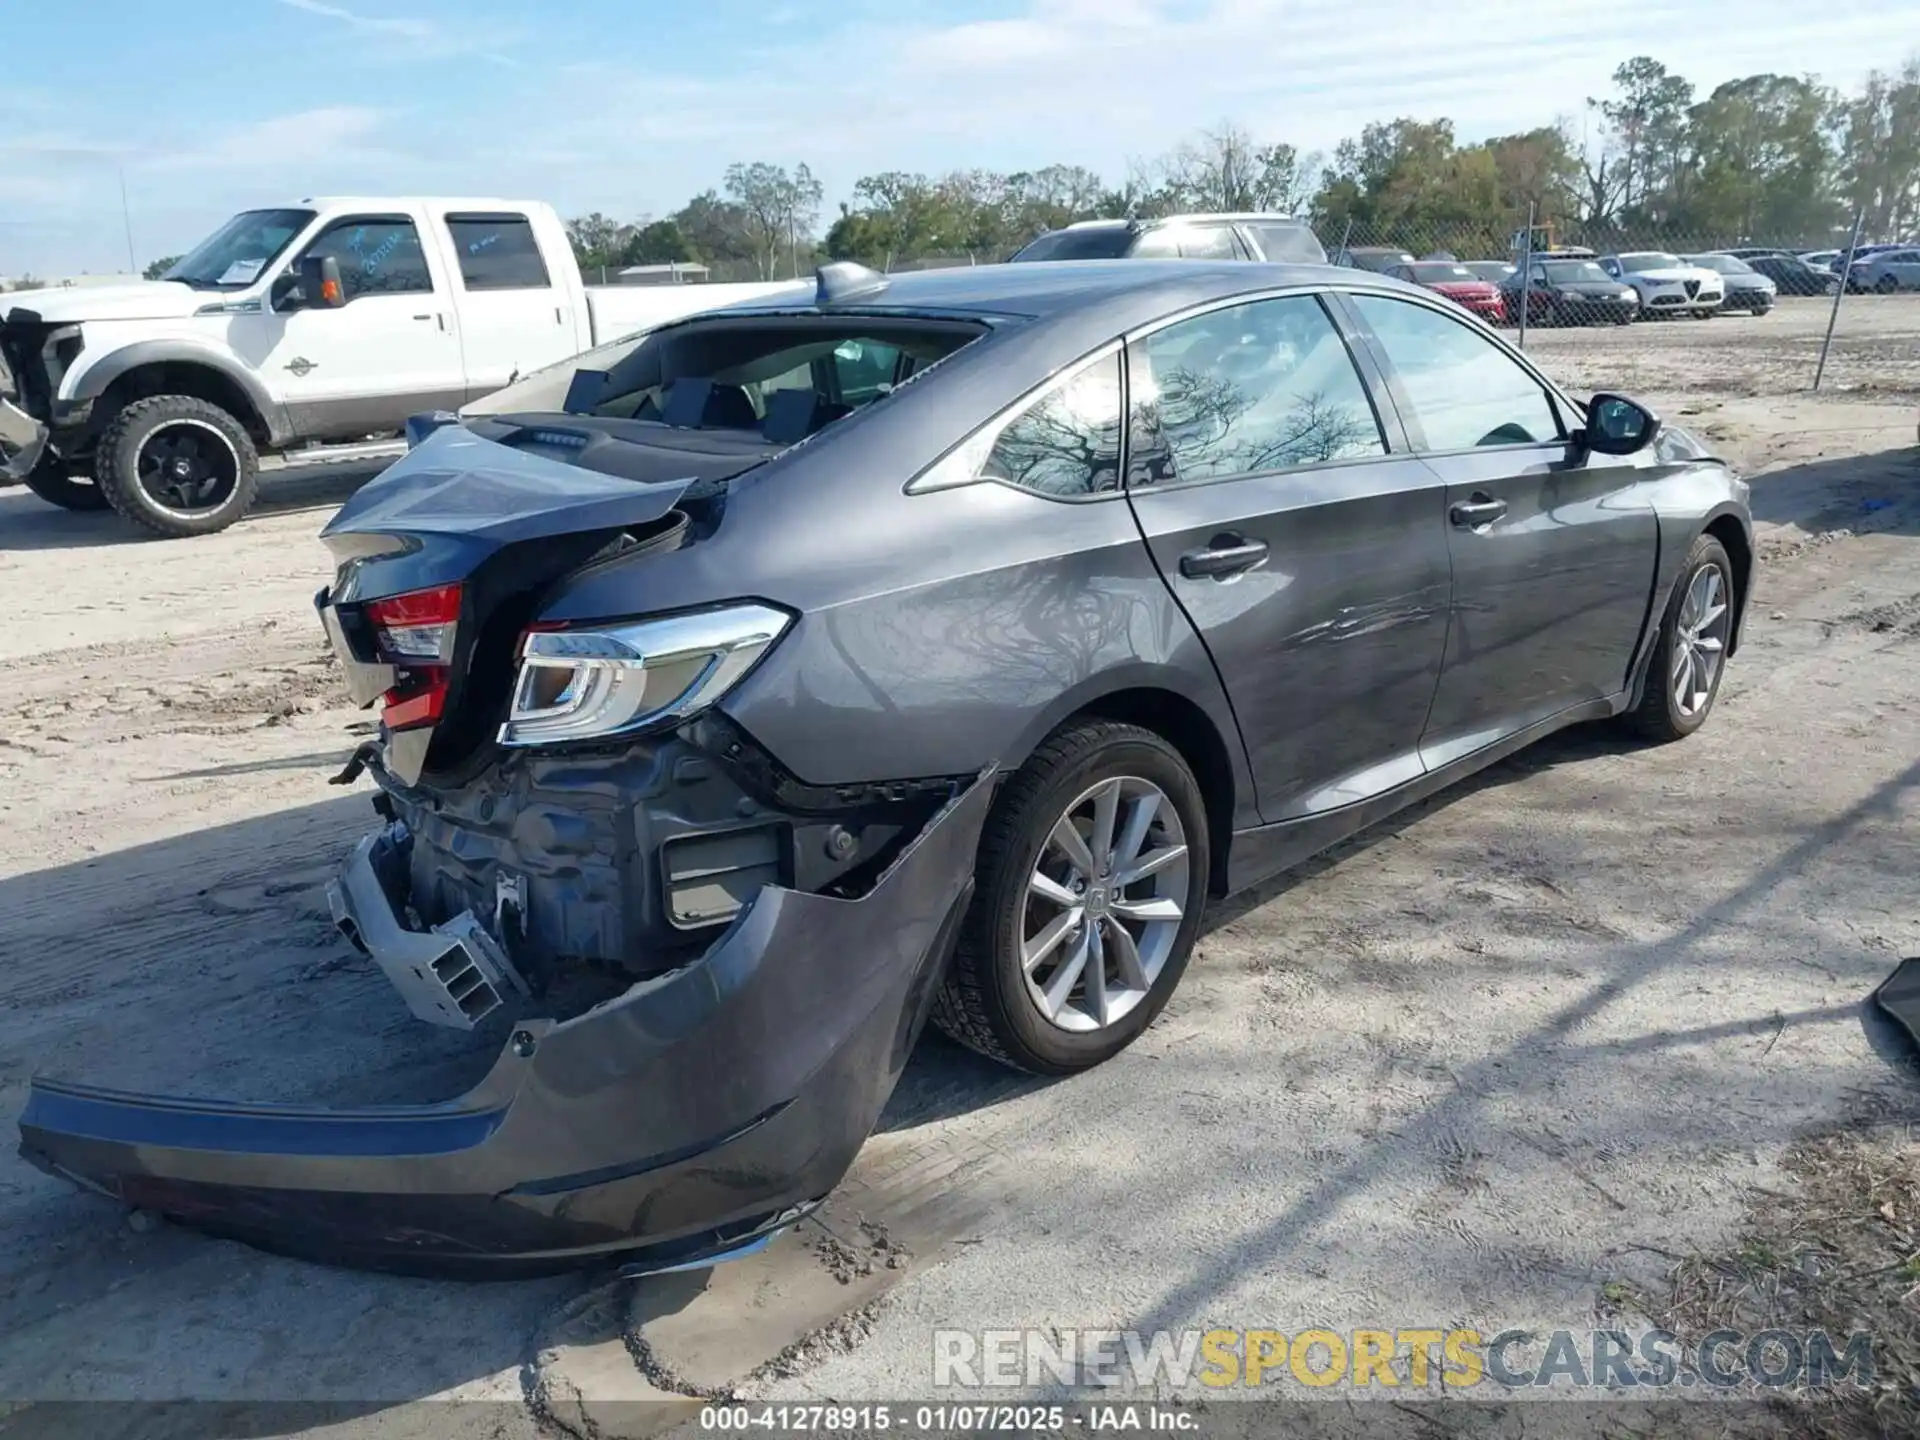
<point>677,1122</point>
<point>22,438</point>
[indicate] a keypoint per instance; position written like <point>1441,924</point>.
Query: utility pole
<point>126,219</point>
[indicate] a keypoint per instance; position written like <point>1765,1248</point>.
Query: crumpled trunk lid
<point>504,524</point>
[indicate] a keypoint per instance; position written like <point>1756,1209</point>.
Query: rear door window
<point>1248,389</point>
<point>498,252</point>
<point>1466,392</point>
<point>1067,444</point>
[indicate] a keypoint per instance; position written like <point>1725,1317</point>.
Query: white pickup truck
<point>293,332</point>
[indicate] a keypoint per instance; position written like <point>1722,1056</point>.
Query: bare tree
<point>777,209</point>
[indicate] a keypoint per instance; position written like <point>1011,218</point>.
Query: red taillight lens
<point>415,634</point>
<point>417,626</point>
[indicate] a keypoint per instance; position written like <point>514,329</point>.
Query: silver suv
<point>1277,239</point>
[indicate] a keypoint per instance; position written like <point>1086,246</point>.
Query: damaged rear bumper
<point>678,1122</point>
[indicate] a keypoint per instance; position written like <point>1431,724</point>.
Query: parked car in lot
<point>1458,284</point>
<point>1377,258</point>
<point>1790,274</point>
<point>1275,239</point>
<point>699,798</point>
<point>1745,288</point>
<point>1495,270</point>
<point>1666,284</point>
<point>1820,259</point>
<point>302,326</point>
<point>1886,271</point>
<point>1572,292</point>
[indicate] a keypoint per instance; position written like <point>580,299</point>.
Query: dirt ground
<point>1486,1064</point>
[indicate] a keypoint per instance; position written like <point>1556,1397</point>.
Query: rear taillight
<point>414,633</point>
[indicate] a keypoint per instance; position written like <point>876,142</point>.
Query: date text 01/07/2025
<point>915,1419</point>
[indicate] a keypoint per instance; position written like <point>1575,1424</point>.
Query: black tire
<point>984,1003</point>
<point>192,426</point>
<point>1658,717</point>
<point>1886,284</point>
<point>54,482</point>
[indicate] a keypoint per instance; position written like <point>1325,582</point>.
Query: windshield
<point>1724,264</point>
<point>1097,242</point>
<point>1573,272</point>
<point>235,254</point>
<point>1648,260</point>
<point>1437,273</point>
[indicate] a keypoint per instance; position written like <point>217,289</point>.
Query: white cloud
<point>602,123</point>
<point>367,24</point>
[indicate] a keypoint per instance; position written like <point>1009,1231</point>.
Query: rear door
<point>515,314</point>
<point>1553,559</point>
<point>1310,557</point>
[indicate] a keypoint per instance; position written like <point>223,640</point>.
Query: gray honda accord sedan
<point>925,647</point>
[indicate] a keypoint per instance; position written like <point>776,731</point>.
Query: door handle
<point>1479,510</point>
<point>423,317</point>
<point>1225,556</point>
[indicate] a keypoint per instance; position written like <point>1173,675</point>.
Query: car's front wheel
<point>1683,679</point>
<point>1091,878</point>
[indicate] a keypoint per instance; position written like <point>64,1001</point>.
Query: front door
<point>1311,561</point>
<point>1553,559</point>
<point>514,318</point>
<point>392,350</point>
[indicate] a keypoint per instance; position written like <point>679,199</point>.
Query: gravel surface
<point>1456,1071</point>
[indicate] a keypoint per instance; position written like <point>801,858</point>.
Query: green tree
<point>715,228</point>
<point>1759,164</point>
<point>1648,131</point>
<point>659,242</point>
<point>160,267</point>
<point>596,241</point>
<point>1879,163</point>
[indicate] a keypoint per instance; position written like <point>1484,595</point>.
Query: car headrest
<point>791,415</point>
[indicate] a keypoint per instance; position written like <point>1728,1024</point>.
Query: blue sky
<point>208,106</point>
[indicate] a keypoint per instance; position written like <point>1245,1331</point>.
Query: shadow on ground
<point>29,523</point>
<point>1860,494</point>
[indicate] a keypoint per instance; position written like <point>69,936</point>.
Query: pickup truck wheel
<point>177,465</point>
<point>1089,885</point>
<point>54,483</point>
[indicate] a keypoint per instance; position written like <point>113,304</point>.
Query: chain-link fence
<point>1742,315</point>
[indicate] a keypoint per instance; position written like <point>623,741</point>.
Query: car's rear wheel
<point>53,480</point>
<point>1683,679</point>
<point>1886,284</point>
<point>1090,882</point>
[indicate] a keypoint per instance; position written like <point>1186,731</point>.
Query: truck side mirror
<point>320,287</point>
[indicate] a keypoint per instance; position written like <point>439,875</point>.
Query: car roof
<point>1061,286</point>
<point>1249,217</point>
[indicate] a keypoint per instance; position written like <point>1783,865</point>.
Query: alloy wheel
<point>1700,641</point>
<point>187,466</point>
<point>1104,904</point>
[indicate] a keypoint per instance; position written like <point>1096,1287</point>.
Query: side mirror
<point>1618,426</point>
<point>320,287</point>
